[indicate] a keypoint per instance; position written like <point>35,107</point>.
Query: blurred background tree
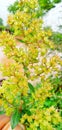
<point>46,5</point>
<point>1,21</point>
<point>1,24</point>
<point>57,38</point>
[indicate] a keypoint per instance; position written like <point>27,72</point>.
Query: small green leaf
<point>15,119</point>
<point>31,87</point>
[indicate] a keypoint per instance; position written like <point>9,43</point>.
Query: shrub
<point>28,70</point>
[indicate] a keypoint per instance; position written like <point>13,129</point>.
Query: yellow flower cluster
<point>7,39</point>
<point>42,119</point>
<point>29,3</point>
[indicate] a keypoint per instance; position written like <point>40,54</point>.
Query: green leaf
<point>15,119</point>
<point>59,127</point>
<point>31,87</point>
<point>2,112</point>
<point>38,128</point>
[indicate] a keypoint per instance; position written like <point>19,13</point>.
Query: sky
<point>3,8</point>
<point>53,18</point>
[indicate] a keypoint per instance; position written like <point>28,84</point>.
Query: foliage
<point>13,8</point>
<point>1,24</point>
<point>56,37</point>
<point>57,1</point>
<point>56,98</point>
<point>2,28</point>
<point>1,21</point>
<point>45,5</point>
<point>27,65</point>
<point>15,119</point>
